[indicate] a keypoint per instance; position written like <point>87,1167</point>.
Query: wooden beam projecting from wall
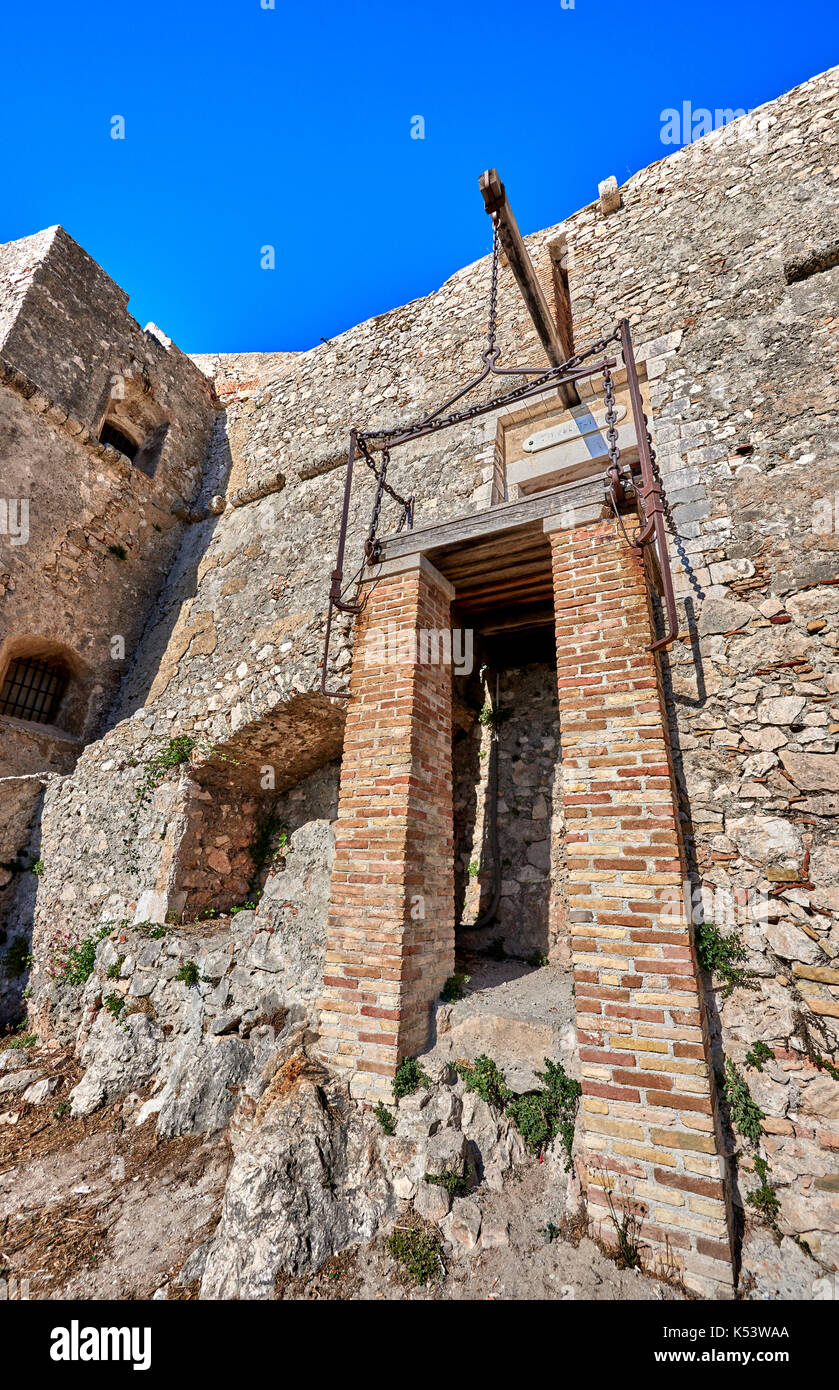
<point>550,334</point>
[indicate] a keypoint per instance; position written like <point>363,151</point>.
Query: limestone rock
<point>200,1095</point>
<point>306,1182</point>
<point>121,1057</point>
<point>724,615</point>
<point>812,772</point>
<point>13,1082</point>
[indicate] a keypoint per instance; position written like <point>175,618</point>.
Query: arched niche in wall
<point>131,420</point>
<point>45,683</point>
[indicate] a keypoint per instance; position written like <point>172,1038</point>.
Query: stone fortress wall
<point>723,260</point>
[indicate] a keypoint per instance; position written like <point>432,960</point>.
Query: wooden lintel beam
<point>550,336</point>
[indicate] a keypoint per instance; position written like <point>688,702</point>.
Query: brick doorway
<point>648,1132</point>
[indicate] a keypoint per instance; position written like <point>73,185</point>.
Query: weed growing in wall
<point>408,1079</point>
<point>176,752</point>
<point>765,1199</point>
<point>454,1183</point>
<point>720,955</point>
<point>115,1004</point>
<point>72,958</point>
<point>385,1118</point>
<point>486,1079</point>
<point>189,974</point>
<point>746,1114</point>
<point>454,988</point>
<point>542,1115</point>
<point>757,1054</point>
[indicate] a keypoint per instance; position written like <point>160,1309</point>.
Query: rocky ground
<point>100,1206</point>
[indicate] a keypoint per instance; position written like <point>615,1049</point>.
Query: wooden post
<point>551,335</point>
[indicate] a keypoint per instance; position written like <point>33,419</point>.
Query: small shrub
<point>454,1183</point>
<point>419,1253</point>
<point>119,551</point>
<point>113,971</point>
<point>188,974</point>
<point>249,906</point>
<point>537,959</point>
<point>62,1110</point>
<point>764,1199</point>
<point>18,958</point>
<point>73,965</point>
<point>486,1079</point>
<point>474,869</point>
<point>746,1114</point>
<point>719,955</point>
<point>115,1004</point>
<point>757,1054</point>
<point>385,1118</point>
<point>541,1115</point>
<point>408,1079</point>
<point>22,1040</point>
<point>454,988</point>
<point>37,867</point>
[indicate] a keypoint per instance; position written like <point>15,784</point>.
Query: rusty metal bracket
<point>650,493</point>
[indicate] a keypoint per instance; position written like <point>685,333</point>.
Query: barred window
<point>33,689</point>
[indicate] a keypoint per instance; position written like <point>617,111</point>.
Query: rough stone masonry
<point>193,770</point>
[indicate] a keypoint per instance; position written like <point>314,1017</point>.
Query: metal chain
<point>611,418</point>
<point>490,354</point>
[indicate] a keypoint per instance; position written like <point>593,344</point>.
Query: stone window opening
<point>118,439</point>
<point>33,689</point>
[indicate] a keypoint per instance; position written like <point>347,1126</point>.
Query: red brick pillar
<point>649,1129</point>
<point>390,940</point>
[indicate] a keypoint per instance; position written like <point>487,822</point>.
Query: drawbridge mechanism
<point>637,485</point>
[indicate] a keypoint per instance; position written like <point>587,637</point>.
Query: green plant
<point>18,958</point>
<point>746,1114</point>
<point>419,1253</point>
<point>550,1233</point>
<point>454,988</point>
<point>37,867</point>
<point>486,1079</point>
<point>385,1118</point>
<point>22,1040</point>
<point>474,869</point>
<point>154,930</point>
<point>765,1199</point>
<point>115,1004</point>
<point>757,1054</point>
<point>454,1183</point>
<point>189,974</point>
<point>409,1077</point>
<point>537,959</point>
<point>248,906</point>
<point>824,1065</point>
<point>719,955</point>
<point>80,959</point>
<point>628,1231</point>
<point>119,551</point>
<point>541,1115</point>
<point>62,1110</point>
<point>113,971</point>
<point>176,752</point>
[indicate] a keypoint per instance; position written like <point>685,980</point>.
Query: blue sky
<point>291,127</point>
